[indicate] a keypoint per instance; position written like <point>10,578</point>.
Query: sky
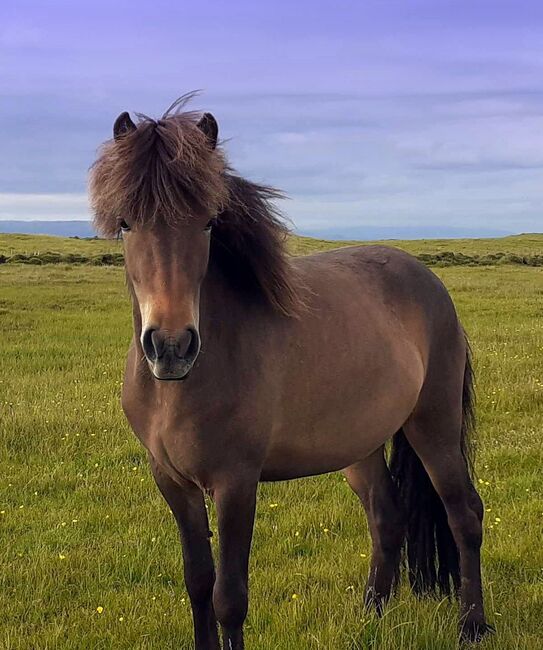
<point>396,113</point>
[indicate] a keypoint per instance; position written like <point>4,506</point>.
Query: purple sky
<point>389,112</point>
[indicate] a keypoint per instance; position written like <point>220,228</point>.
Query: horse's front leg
<point>235,501</point>
<point>187,504</point>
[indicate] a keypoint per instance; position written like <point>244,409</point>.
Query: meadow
<point>89,554</point>
<point>525,250</point>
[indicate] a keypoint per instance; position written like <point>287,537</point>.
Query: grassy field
<point>521,249</point>
<point>88,549</point>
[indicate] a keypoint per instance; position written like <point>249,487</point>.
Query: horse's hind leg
<point>435,435</point>
<point>371,481</point>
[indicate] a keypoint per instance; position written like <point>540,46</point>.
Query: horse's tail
<point>432,554</point>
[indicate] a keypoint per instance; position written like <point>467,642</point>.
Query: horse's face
<point>166,266</point>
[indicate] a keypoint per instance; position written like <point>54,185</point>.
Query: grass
<point>524,250</point>
<point>522,245</point>
<point>88,548</point>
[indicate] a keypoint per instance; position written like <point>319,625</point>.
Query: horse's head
<point>160,184</point>
<point>165,266</point>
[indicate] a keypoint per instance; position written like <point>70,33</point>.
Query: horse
<point>248,365</point>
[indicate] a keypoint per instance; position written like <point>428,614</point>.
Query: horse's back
<point>384,280</point>
<point>393,270</point>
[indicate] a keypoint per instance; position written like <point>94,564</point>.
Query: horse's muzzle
<point>170,353</point>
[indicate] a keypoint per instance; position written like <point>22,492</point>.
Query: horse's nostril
<point>188,344</point>
<point>152,343</point>
<point>158,343</point>
<point>182,344</point>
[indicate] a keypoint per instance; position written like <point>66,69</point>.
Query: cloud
<point>477,142</point>
<point>394,112</point>
<point>27,207</point>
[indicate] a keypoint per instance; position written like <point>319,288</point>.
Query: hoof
<point>376,602</point>
<point>475,632</point>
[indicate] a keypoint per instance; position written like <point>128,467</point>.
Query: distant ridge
<point>371,233</point>
<point>352,233</point>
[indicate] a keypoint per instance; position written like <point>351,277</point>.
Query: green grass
<point>39,244</point>
<point>520,249</point>
<point>82,525</point>
<point>527,245</point>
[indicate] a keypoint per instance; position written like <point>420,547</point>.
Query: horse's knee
<point>199,583</point>
<point>230,602</point>
<point>476,503</point>
<point>466,524</point>
<point>471,530</point>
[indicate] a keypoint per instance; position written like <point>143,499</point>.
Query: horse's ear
<point>123,125</point>
<point>208,125</point>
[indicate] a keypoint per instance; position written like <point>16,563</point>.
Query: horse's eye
<point>209,225</point>
<point>124,226</point>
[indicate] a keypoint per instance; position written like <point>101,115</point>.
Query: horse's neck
<point>221,305</point>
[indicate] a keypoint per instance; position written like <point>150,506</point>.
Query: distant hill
<point>352,233</point>
<point>525,250</point>
<point>374,233</point>
<point>58,228</point>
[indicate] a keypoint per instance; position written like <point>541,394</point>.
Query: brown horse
<point>248,365</point>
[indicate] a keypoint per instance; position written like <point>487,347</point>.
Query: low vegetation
<point>526,250</point>
<point>88,549</point>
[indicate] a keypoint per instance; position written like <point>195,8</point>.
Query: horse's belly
<point>345,437</point>
<point>288,462</point>
<point>327,430</point>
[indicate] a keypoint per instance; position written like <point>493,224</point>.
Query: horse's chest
<point>166,429</point>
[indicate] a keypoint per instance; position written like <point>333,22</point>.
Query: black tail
<point>432,555</point>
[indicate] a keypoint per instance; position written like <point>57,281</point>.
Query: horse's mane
<point>248,244</point>
<point>166,169</point>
